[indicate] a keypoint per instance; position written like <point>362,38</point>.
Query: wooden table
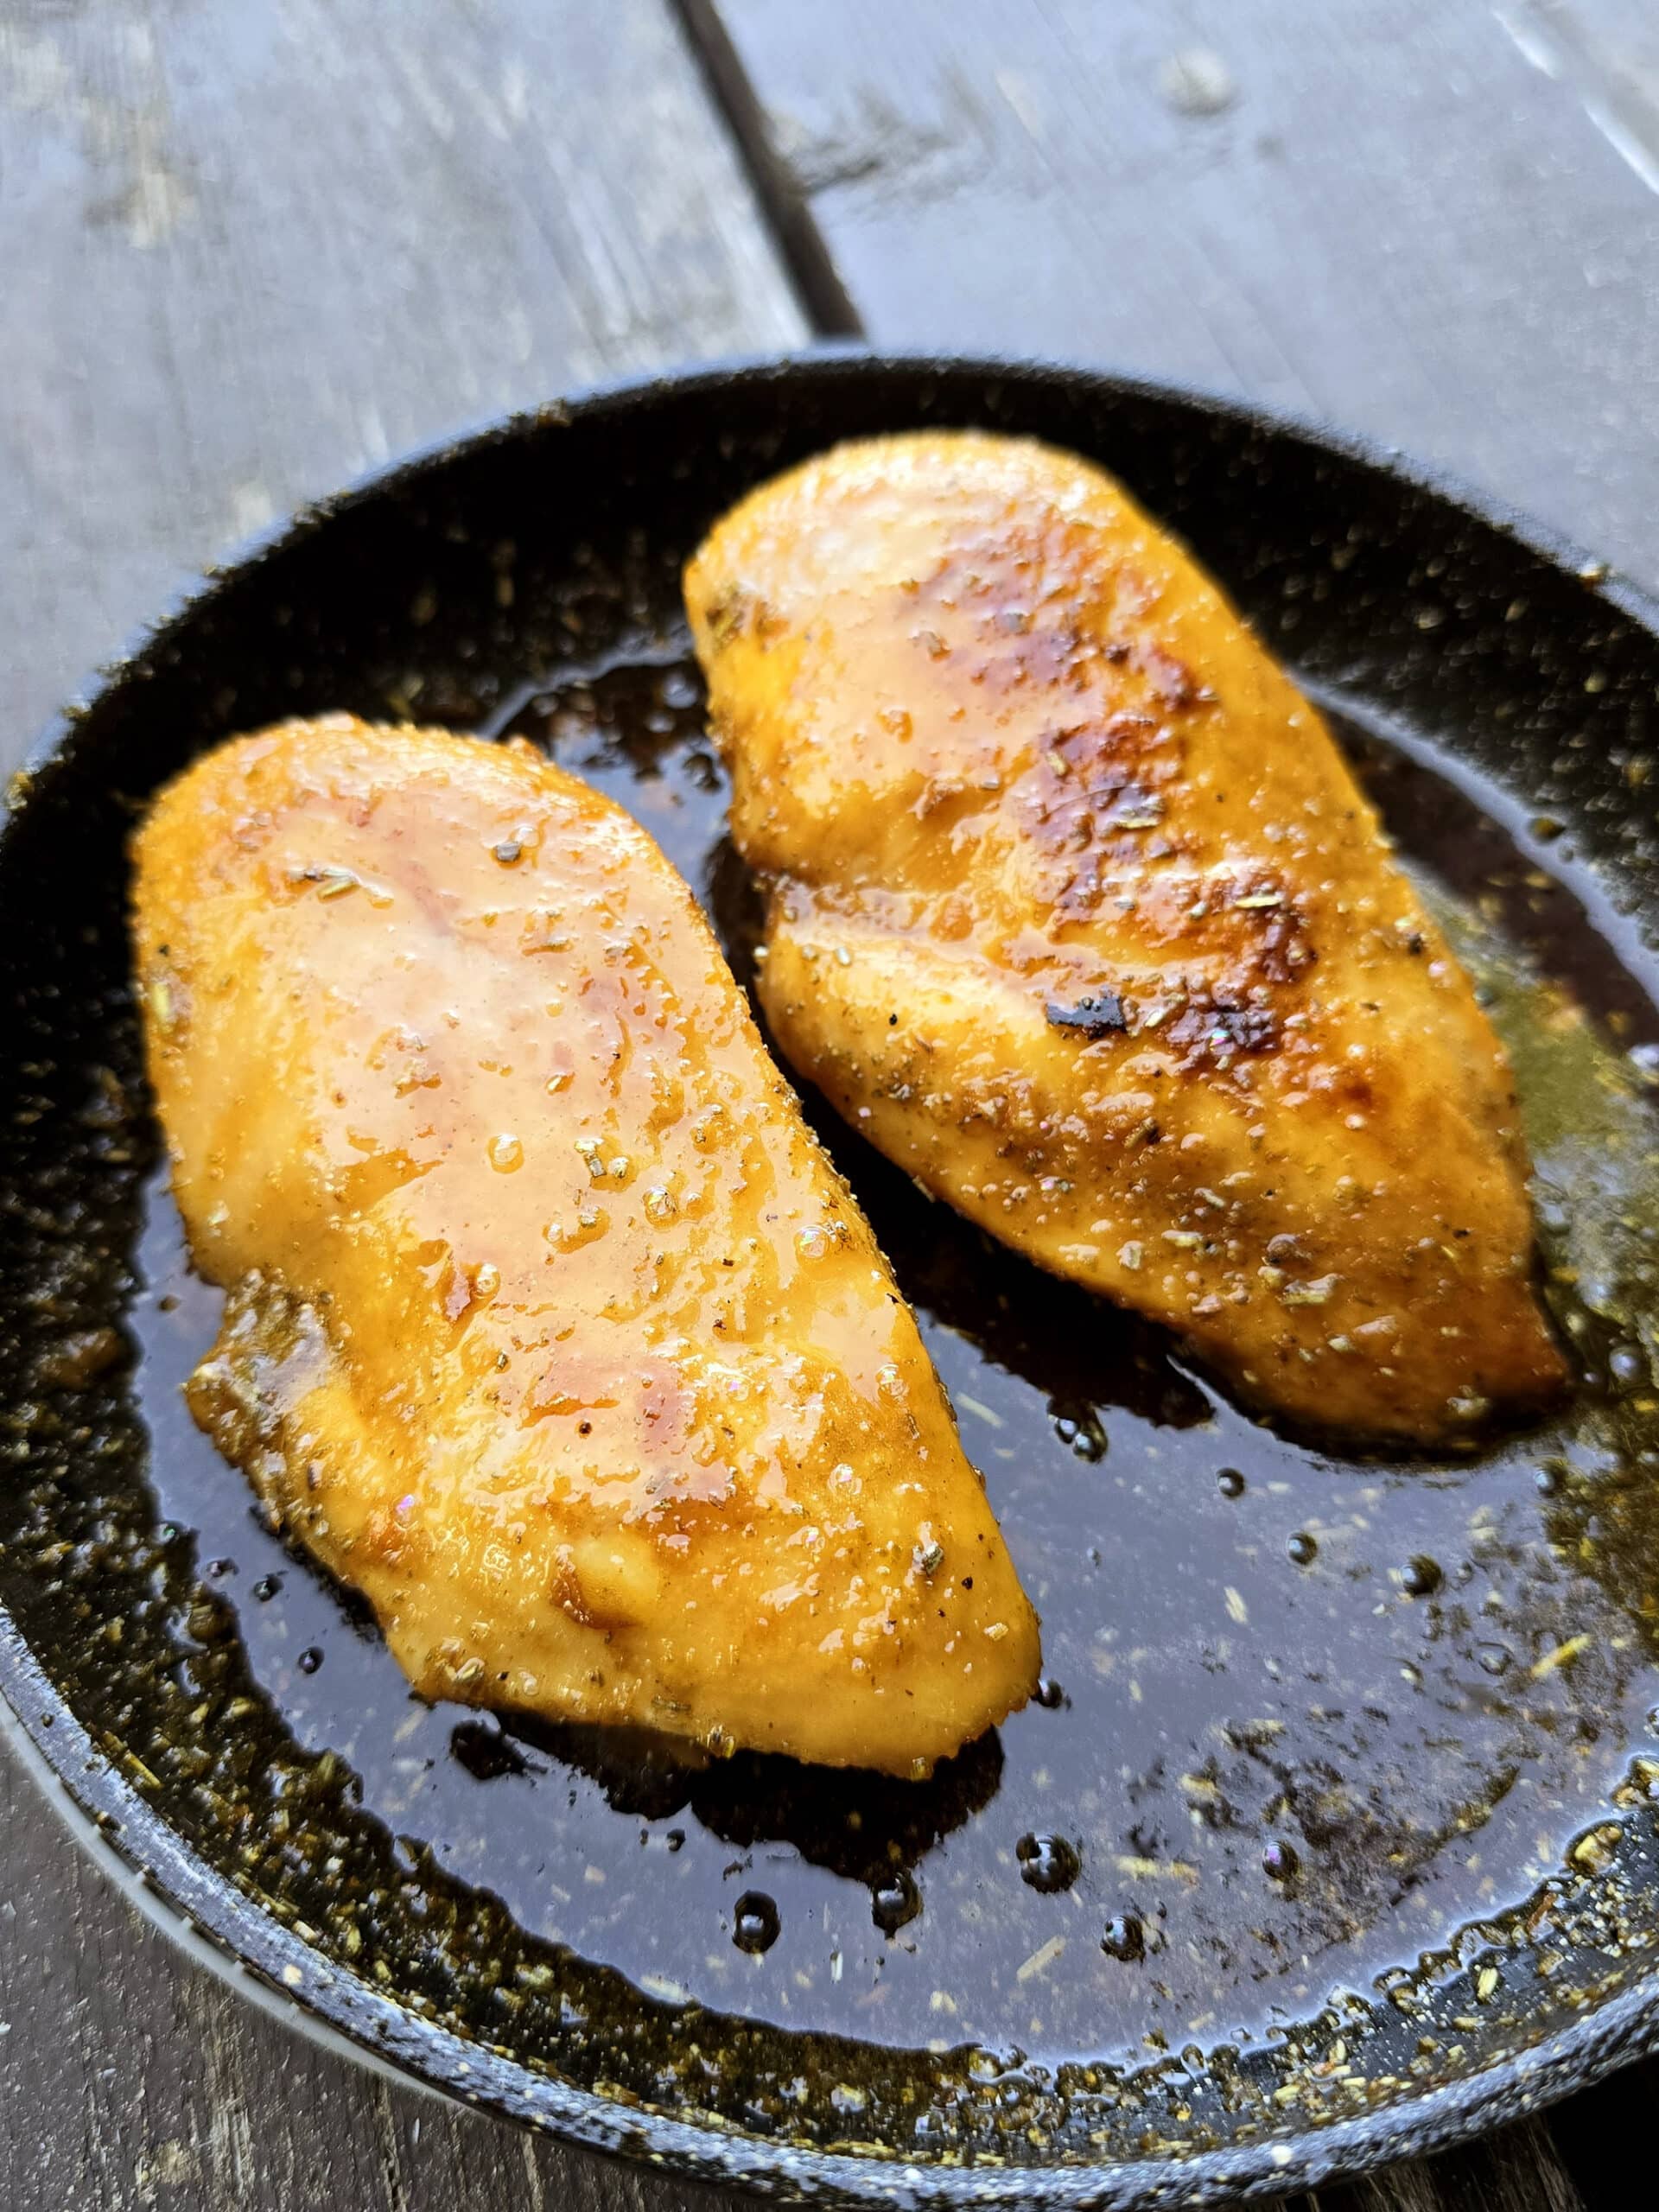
<point>247,250</point>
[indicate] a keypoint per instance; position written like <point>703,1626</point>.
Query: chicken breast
<point>550,1328</point>
<point>1075,911</point>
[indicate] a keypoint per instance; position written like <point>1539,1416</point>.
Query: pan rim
<point>194,590</point>
<point>196,1906</point>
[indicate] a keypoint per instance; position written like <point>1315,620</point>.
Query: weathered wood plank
<point>1607,52</point>
<point>246,252</point>
<point>1391,214</point>
<point>1601,2135</point>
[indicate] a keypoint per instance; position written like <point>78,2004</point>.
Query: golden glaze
<point>1076,910</point>
<point>550,1327</point>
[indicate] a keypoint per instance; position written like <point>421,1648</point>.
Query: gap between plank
<point>824,298</point>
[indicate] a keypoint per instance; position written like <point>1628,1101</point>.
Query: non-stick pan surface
<point>1328,1837</point>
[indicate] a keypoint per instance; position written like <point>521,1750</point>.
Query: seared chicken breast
<point>550,1326</point>
<point>1076,911</point>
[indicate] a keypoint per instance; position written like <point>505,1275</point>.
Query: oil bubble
<point>755,1922</point>
<point>1628,1366</point>
<point>895,1900</point>
<point>1124,1938</point>
<point>1047,1863</point>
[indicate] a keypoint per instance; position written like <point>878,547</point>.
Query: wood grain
<point>249,252</point>
<point>1517,2169</point>
<point>1392,215</point>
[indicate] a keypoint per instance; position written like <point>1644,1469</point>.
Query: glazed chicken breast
<point>550,1326</point>
<point>1075,911</point>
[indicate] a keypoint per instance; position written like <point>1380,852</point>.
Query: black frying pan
<point>1328,1839</point>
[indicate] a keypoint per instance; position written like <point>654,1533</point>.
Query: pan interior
<point>1332,1753</point>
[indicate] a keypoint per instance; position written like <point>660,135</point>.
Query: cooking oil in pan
<point>1302,1716</point>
